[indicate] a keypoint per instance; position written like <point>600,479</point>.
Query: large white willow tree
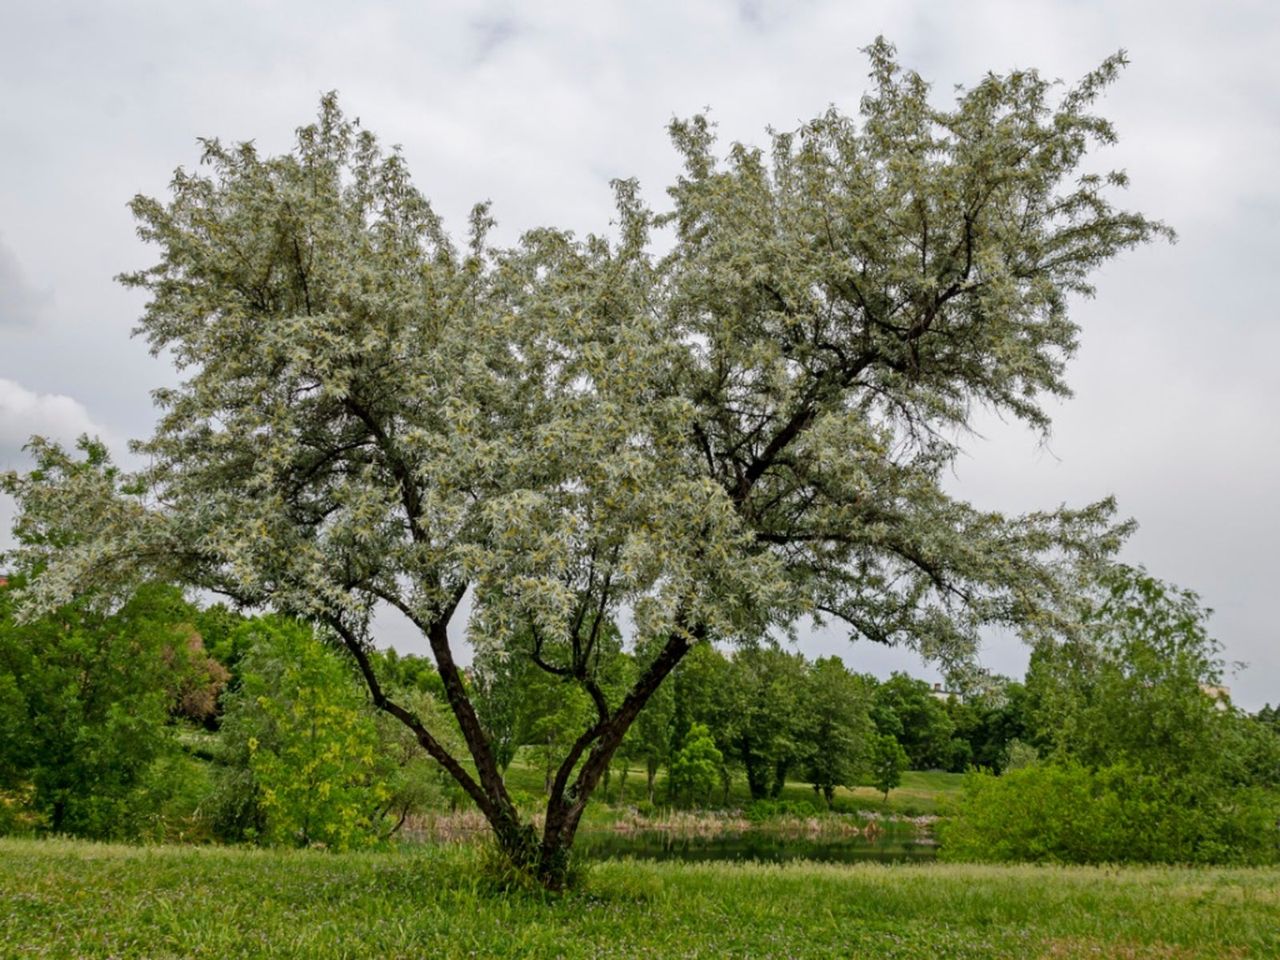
<point>719,441</point>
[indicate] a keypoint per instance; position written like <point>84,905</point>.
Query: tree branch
<point>408,718</point>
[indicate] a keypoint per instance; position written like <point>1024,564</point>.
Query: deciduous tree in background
<point>907,709</point>
<point>1143,760</point>
<point>1144,687</point>
<point>888,760</point>
<point>86,690</point>
<point>695,768</point>
<point>763,716</point>
<point>749,429</point>
<point>836,728</point>
<point>311,742</point>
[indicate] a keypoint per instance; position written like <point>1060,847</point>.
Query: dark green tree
<point>85,703</point>
<point>907,709</point>
<point>988,721</point>
<point>695,766</point>
<point>1270,716</point>
<point>836,730</point>
<point>649,739</point>
<point>500,687</point>
<point>1141,689</point>
<point>888,761</point>
<point>763,719</point>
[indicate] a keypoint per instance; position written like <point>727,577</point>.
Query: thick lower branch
<point>564,811</point>
<point>472,731</point>
<point>429,743</point>
<point>455,692</point>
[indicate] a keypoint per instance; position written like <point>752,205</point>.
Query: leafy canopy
<point>750,428</point>
<point>87,689</point>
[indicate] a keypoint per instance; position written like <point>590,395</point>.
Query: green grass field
<point>70,899</point>
<point>921,792</point>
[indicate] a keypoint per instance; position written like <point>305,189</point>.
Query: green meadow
<point>921,793</point>
<point>75,899</point>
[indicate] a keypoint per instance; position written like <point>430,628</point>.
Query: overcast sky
<point>536,106</point>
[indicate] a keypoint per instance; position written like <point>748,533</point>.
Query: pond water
<point>764,845</point>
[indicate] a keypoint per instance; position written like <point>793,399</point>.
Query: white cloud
<point>25,413</point>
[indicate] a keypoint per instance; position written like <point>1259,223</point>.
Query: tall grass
<point>66,899</point>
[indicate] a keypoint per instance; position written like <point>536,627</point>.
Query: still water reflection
<point>768,846</point>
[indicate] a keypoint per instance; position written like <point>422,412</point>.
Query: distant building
<point>940,693</point>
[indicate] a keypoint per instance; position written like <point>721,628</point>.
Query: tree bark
<point>779,778</point>
<point>757,772</point>
<point>567,802</point>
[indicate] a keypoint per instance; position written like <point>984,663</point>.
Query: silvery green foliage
<point>848,297</point>
<point>76,517</point>
<point>717,441</point>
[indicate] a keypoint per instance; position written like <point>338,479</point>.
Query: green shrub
<point>888,761</point>
<point>758,811</point>
<point>1067,813</point>
<point>85,700</point>
<point>695,767</point>
<point>302,748</point>
<point>177,788</point>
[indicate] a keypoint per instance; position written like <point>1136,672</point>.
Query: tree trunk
<point>548,860</point>
<point>519,842</point>
<point>779,778</point>
<point>757,774</point>
<point>567,802</point>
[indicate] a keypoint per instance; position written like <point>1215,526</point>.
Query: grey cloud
<point>750,11</point>
<point>21,303</point>
<point>492,33</point>
<point>1175,391</point>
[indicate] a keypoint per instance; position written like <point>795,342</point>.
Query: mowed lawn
<point>68,899</point>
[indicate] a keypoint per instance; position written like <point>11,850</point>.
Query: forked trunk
<point>546,860</point>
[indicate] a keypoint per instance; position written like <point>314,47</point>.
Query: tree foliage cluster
<point>128,726</point>
<point>1141,758</point>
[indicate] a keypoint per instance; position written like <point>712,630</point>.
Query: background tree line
<point>168,717</point>
<point>167,720</point>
